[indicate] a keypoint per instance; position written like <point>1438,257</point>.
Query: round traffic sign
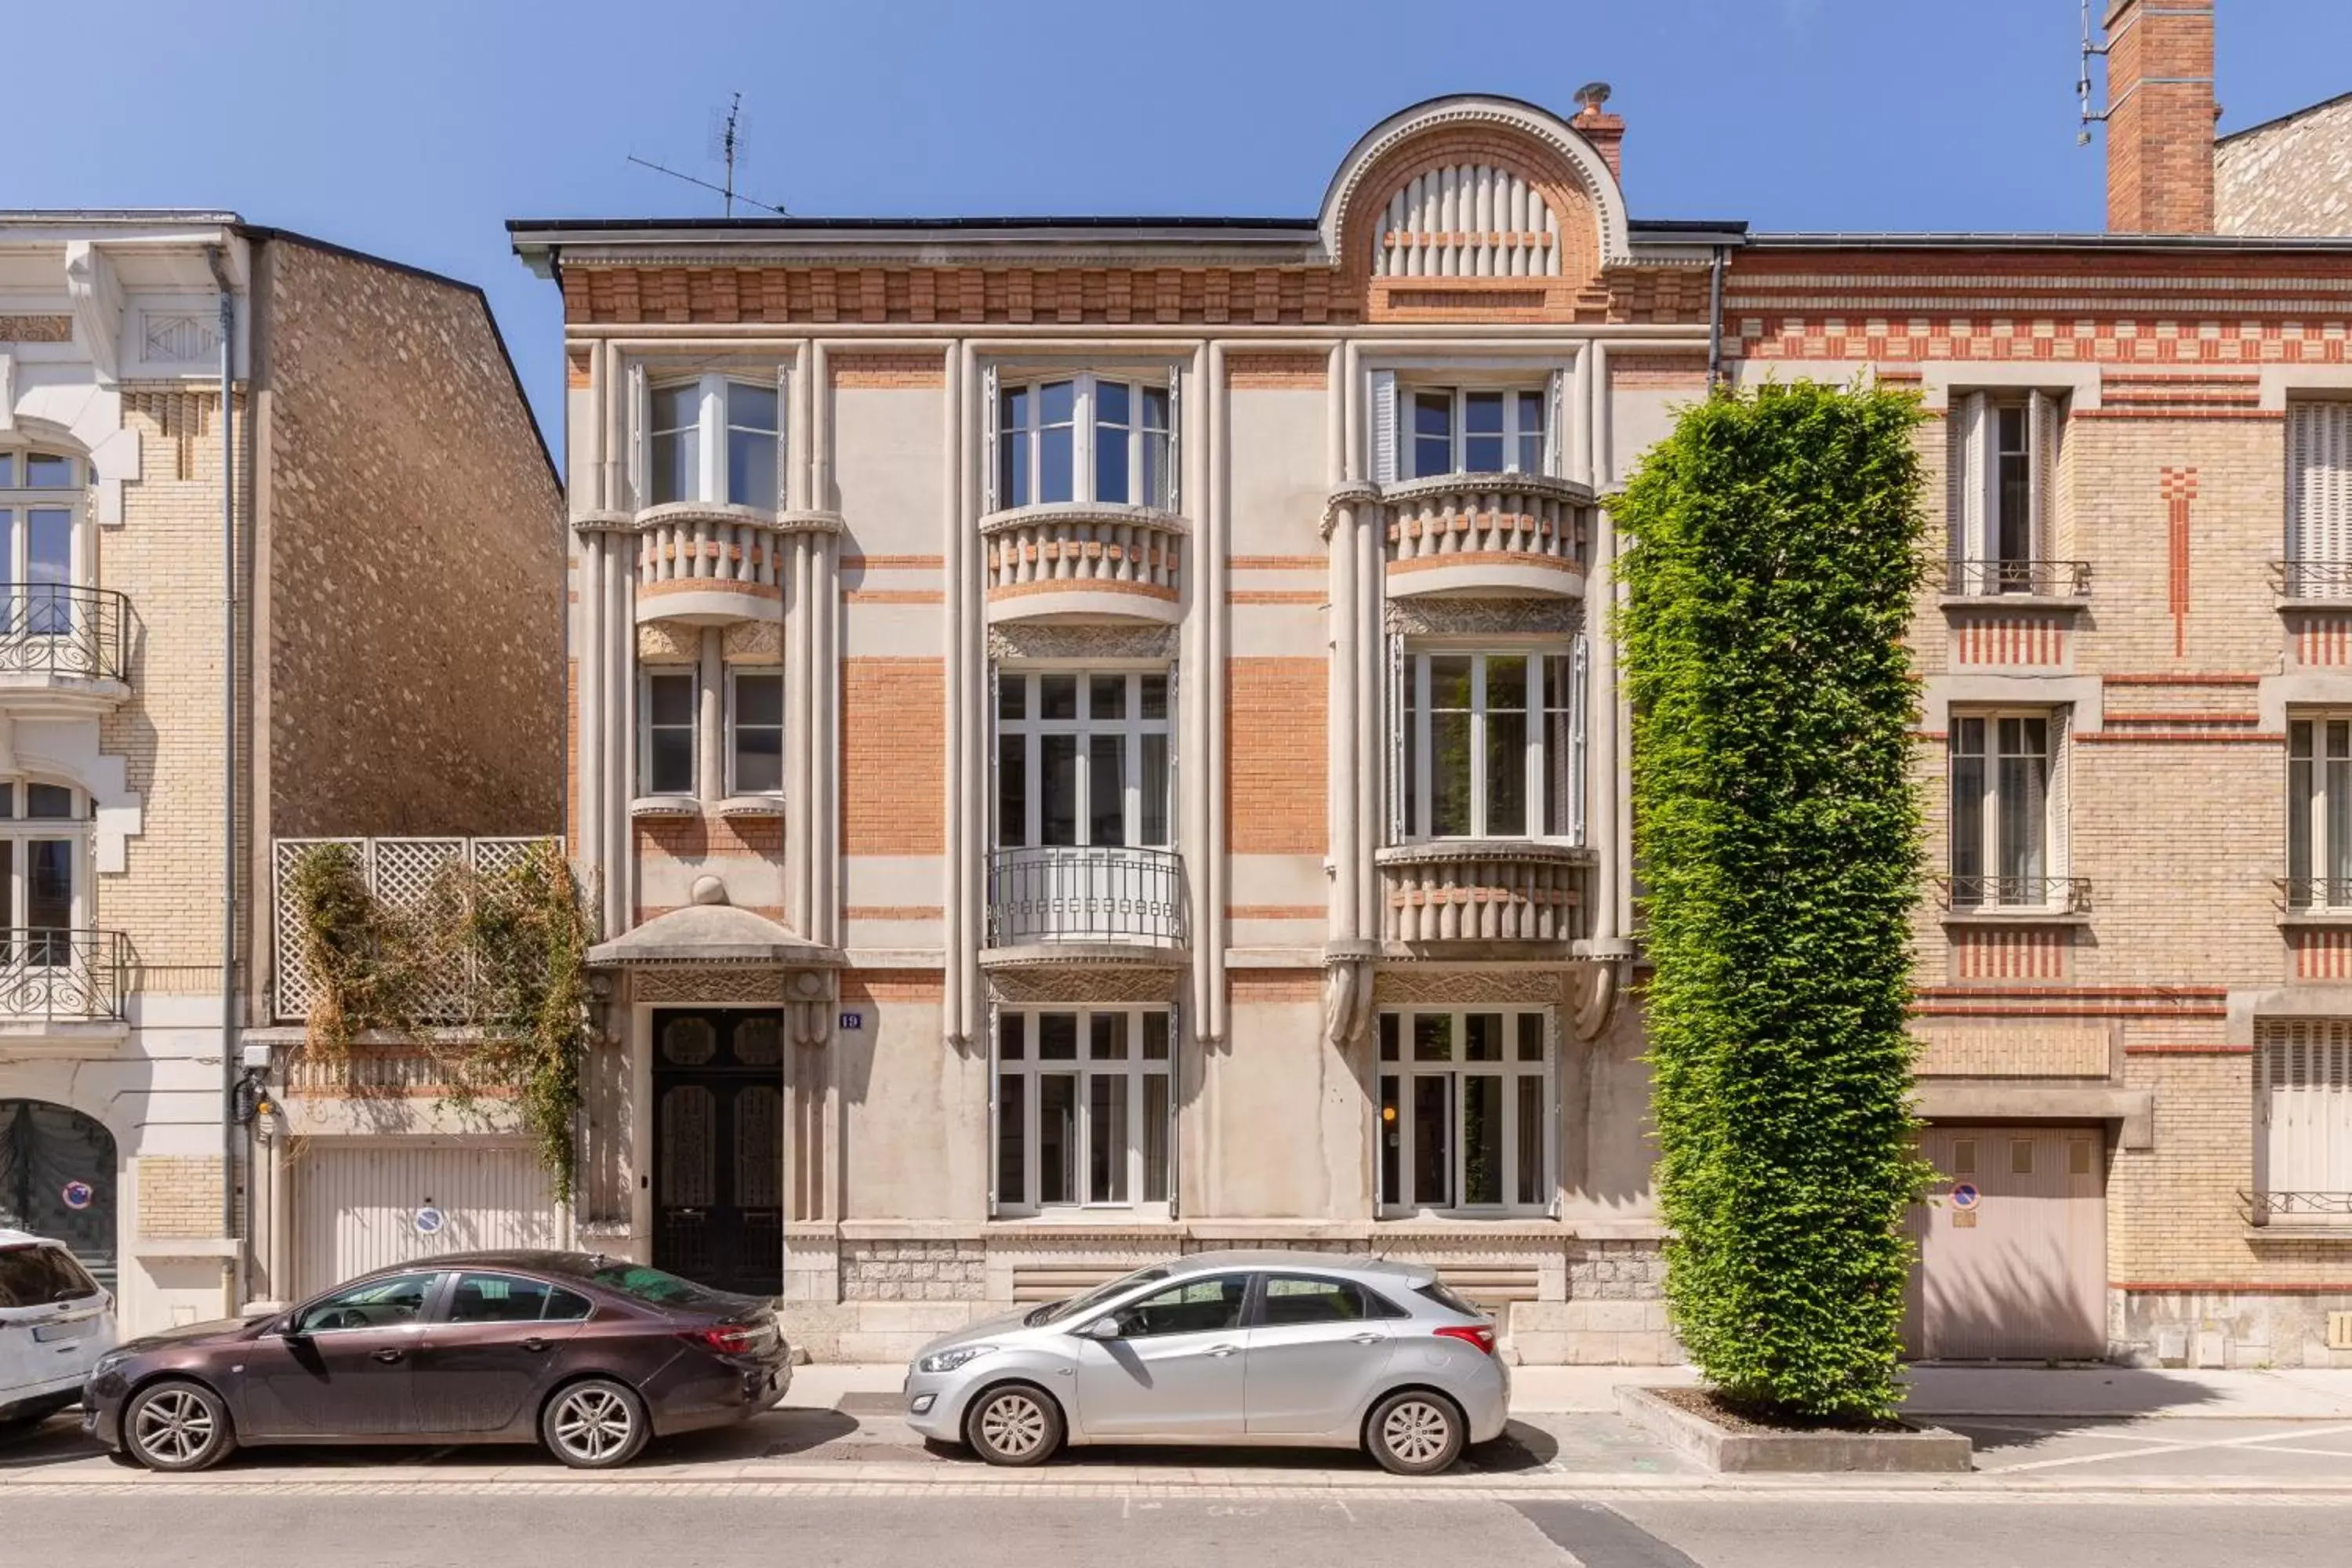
<point>78,1196</point>
<point>1965,1195</point>
<point>428,1220</point>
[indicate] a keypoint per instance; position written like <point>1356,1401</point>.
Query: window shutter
<point>1175,450</point>
<point>2042,435</point>
<point>1384,426</point>
<point>1580,746</point>
<point>784,441</point>
<point>635,456</point>
<point>1556,424</point>
<point>1175,759</point>
<point>988,458</point>
<point>1971,480</point>
<point>1399,743</point>
<point>2061,733</point>
<point>2319,478</point>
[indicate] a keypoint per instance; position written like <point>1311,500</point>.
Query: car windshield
<point>655,1286</point>
<point>1054,1311</point>
<point>36,1276</point>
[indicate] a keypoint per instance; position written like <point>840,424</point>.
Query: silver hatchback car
<point>1300,1348</point>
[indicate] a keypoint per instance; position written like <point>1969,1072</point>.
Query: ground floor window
<point>1466,1111</point>
<point>1083,1108</point>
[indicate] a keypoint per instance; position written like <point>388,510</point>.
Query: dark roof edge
<point>1959,241</point>
<point>265,233</point>
<point>1678,227</point>
<point>520,228</point>
<point>2277,120</point>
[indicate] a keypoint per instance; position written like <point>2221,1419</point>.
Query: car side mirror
<point>286,1327</point>
<point>1105,1328</point>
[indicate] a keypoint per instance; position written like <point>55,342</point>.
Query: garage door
<point>2012,1253</point>
<point>356,1202</point>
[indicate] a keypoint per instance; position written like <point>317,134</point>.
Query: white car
<point>55,1322</point>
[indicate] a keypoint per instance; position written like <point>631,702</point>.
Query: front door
<point>1176,1368</point>
<point>719,1148</point>
<point>1318,1348</point>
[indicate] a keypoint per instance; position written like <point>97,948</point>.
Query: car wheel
<point>1014,1425</point>
<point>177,1427</point>
<point>595,1425</point>
<point>1415,1433</point>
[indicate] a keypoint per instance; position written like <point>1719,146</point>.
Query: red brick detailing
<point>1275,911</point>
<point>893,912</point>
<point>2179,490</point>
<point>575,367</point>
<point>1248,985</point>
<point>2215,1049</point>
<point>2183,679</point>
<point>893,763</point>
<point>888,370</point>
<point>2009,954</point>
<point>863,988</point>
<point>2010,639</point>
<point>693,837</point>
<point>1276,563</point>
<point>893,596</point>
<point>1657,373</point>
<point>1277,596</point>
<point>2322,639</point>
<point>1274,757</point>
<point>1269,371</point>
<point>894,563</point>
<point>2322,953</point>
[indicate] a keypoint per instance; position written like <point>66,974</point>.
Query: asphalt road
<point>434,1526</point>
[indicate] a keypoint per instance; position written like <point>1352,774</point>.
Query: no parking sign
<point>78,1196</point>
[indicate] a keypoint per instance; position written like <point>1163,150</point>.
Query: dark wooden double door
<point>718,1147</point>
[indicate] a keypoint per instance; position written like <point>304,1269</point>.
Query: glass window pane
<point>1057,697</point>
<point>1195,1307</point>
<point>1057,1036</point>
<point>1153,490</point>
<point>759,761</point>
<point>1291,1300</point>
<point>371,1304</point>
<point>1387,1036</point>
<point>759,699</point>
<point>670,763</point>
<point>49,801</point>
<point>1482,432</point>
<point>1482,1139</point>
<point>1968,823</point>
<point>1106,1140</point>
<point>1106,697</point>
<point>48,569</point>
<point>1155,791</point>
<point>1013,1037</point>
<point>1416,746</point>
<point>48,884</point>
<point>1531,1036</point>
<point>1106,1036</point>
<point>1012,791</point>
<point>2013,539</point>
<point>1058,1138</point>
<point>751,469</point>
<point>1107,789</point>
<point>1531,421</point>
<point>1527,1186</point>
<point>1114,416</point>
<point>1057,402</point>
<point>1558,757</point>
<point>1155,1037</point>
<point>48,471</point>
<point>1014,484</point>
<point>670,698</point>
<point>1012,696</point>
<point>1433,434</point>
<point>1507,747</point>
<point>2339,825</point>
<point>1055,454</point>
<point>1154,690</point>
<point>2301,785</point>
<point>751,406</point>
<point>1433,1142</point>
<point>1450,692</point>
<point>7,470</point>
<point>1154,1135</point>
<point>1482,1037</point>
<point>1057,809</point>
<point>1391,1136</point>
<point>497,1298</point>
<point>1432,1036</point>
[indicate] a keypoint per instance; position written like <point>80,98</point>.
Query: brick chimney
<point>1606,131</point>
<point>2160,116</point>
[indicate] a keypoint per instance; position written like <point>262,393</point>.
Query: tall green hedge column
<point>1776,546</point>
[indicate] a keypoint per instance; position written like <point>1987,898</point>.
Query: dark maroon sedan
<point>587,1354</point>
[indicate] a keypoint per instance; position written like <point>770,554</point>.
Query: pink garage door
<point>2020,1272</point>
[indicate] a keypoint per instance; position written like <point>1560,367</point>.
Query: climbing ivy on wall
<point>1775,548</point>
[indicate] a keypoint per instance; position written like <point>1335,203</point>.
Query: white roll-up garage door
<point>356,1201</point>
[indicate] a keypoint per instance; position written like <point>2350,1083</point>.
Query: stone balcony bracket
<point>1357,494</point>
<point>1513,535</point>
<point>707,562</point>
<point>1083,561</point>
<point>1483,890</point>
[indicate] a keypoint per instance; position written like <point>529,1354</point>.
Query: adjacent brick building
<point>1098,737</point>
<point>398,656</point>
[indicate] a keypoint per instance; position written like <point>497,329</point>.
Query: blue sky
<point>415,129</point>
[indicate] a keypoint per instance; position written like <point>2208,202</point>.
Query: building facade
<point>1100,737</point>
<point>397,539</point>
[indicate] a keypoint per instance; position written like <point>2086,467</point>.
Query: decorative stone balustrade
<point>1070,560</point>
<point>708,563</point>
<point>1510,534</point>
<point>1483,890</point>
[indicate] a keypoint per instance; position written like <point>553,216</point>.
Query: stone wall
<point>914,1271</point>
<point>2289,176</point>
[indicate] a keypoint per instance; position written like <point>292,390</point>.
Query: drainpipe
<point>1715,322</point>
<point>213,257</point>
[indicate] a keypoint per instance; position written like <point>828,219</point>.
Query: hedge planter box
<point>1678,1417</point>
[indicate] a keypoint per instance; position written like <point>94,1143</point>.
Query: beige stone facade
<point>398,579</point>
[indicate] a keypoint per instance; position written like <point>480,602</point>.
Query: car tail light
<point>727,1338</point>
<point>1479,1334</point>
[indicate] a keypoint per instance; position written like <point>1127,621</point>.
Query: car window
<point>565,1307</point>
<point>1303,1299</point>
<point>502,1299</point>
<point>660,1288</point>
<point>1195,1307</point>
<point>1438,1292</point>
<point>371,1304</point>
<point>36,1276</point>
<point>1054,1311</point>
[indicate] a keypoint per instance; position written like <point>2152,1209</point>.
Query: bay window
<point>1084,1109</point>
<point>1084,438</point>
<point>667,703</point>
<point>2007,809</point>
<point>1469,430</point>
<point>1486,746</point>
<point>713,438</point>
<point>1465,1112</point>
<point>1082,759</point>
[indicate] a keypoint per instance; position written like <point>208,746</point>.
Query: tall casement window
<point>2004,469</point>
<point>1082,759</point>
<point>2302,1121</point>
<point>40,496</point>
<point>1486,745</point>
<point>1465,1112</point>
<point>667,704</point>
<point>1499,422</point>
<point>755,731</point>
<point>713,438</point>
<point>2319,811</point>
<point>44,838</point>
<point>1084,1109</point>
<point>2319,499</point>
<point>2007,810</point>
<point>1084,438</point>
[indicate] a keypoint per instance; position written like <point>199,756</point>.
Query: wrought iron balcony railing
<point>2019,895</point>
<point>56,629</point>
<point>2312,579</point>
<point>2316,895</point>
<point>2324,1208</point>
<point>1991,579</point>
<point>49,974</point>
<point>1050,893</point>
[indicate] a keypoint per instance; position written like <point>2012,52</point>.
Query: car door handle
<point>534,1344</point>
<point>388,1355</point>
<point>1366,1339</point>
<point>1222,1350</point>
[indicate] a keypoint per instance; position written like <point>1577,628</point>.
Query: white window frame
<point>20,831</point>
<point>18,501</point>
<point>713,425</point>
<point>1394,1032</point>
<point>736,676</point>
<point>2319,497</point>
<point>1409,726</point>
<point>2320,740</point>
<point>1084,432</point>
<point>1032,728</point>
<point>646,727</point>
<point>1016,1089</point>
<point>1981,564</point>
<point>1993,887</point>
<point>1518,397</point>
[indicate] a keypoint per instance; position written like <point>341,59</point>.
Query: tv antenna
<point>2083,80</point>
<point>728,136</point>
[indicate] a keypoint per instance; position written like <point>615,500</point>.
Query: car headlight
<point>107,1362</point>
<point>949,1360</point>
